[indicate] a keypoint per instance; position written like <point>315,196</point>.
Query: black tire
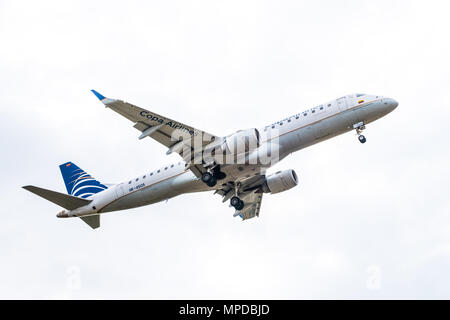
<point>362,139</point>
<point>240,206</point>
<point>207,177</point>
<point>212,182</point>
<point>220,175</point>
<point>235,201</point>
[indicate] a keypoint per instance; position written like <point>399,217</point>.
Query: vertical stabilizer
<point>78,182</point>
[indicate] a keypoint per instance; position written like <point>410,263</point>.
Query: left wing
<point>178,137</point>
<point>249,192</point>
<point>252,206</point>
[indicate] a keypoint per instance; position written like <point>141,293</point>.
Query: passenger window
<point>158,171</point>
<point>151,173</point>
<point>137,179</point>
<point>171,166</point>
<point>144,177</point>
<point>129,182</point>
<point>273,127</point>
<point>321,107</point>
<point>305,114</point>
<point>313,111</point>
<point>165,168</point>
<point>329,105</point>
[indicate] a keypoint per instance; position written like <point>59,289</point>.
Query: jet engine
<point>280,181</point>
<point>242,141</point>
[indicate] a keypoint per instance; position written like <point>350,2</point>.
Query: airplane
<point>233,166</point>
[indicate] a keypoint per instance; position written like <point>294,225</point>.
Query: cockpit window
<point>360,95</point>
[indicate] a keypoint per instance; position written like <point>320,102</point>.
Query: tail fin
<point>78,182</point>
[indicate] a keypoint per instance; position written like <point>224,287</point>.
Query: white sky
<point>366,221</point>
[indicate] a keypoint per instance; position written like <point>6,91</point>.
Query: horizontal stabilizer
<point>92,221</point>
<point>61,199</point>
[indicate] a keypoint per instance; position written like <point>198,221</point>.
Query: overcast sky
<point>366,221</point>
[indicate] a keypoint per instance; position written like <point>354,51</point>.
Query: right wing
<point>178,137</point>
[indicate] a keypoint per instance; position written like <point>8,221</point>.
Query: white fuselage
<point>292,134</point>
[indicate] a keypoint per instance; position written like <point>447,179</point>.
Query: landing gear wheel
<point>206,177</point>
<point>359,129</point>
<point>209,179</point>
<point>237,203</point>
<point>362,139</point>
<point>211,183</point>
<point>219,175</point>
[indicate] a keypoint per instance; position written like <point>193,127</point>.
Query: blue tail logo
<point>78,182</point>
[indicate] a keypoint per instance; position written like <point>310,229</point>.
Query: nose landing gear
<point>359,127</point>
<point>362,139</point>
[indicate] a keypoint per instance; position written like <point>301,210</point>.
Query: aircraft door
<point>120,190</point>
<point>342,103</point>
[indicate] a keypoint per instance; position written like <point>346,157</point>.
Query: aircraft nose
<point>391,103</point>
<point>394,103</point>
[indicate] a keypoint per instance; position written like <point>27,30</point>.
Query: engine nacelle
<point>242,141</point>
<point>280,181</point>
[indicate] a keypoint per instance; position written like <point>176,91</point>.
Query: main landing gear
<point>237,203</point>
<point>359,128</point>
<point>210,178</point>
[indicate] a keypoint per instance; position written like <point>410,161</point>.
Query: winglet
<point>98,95</point>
